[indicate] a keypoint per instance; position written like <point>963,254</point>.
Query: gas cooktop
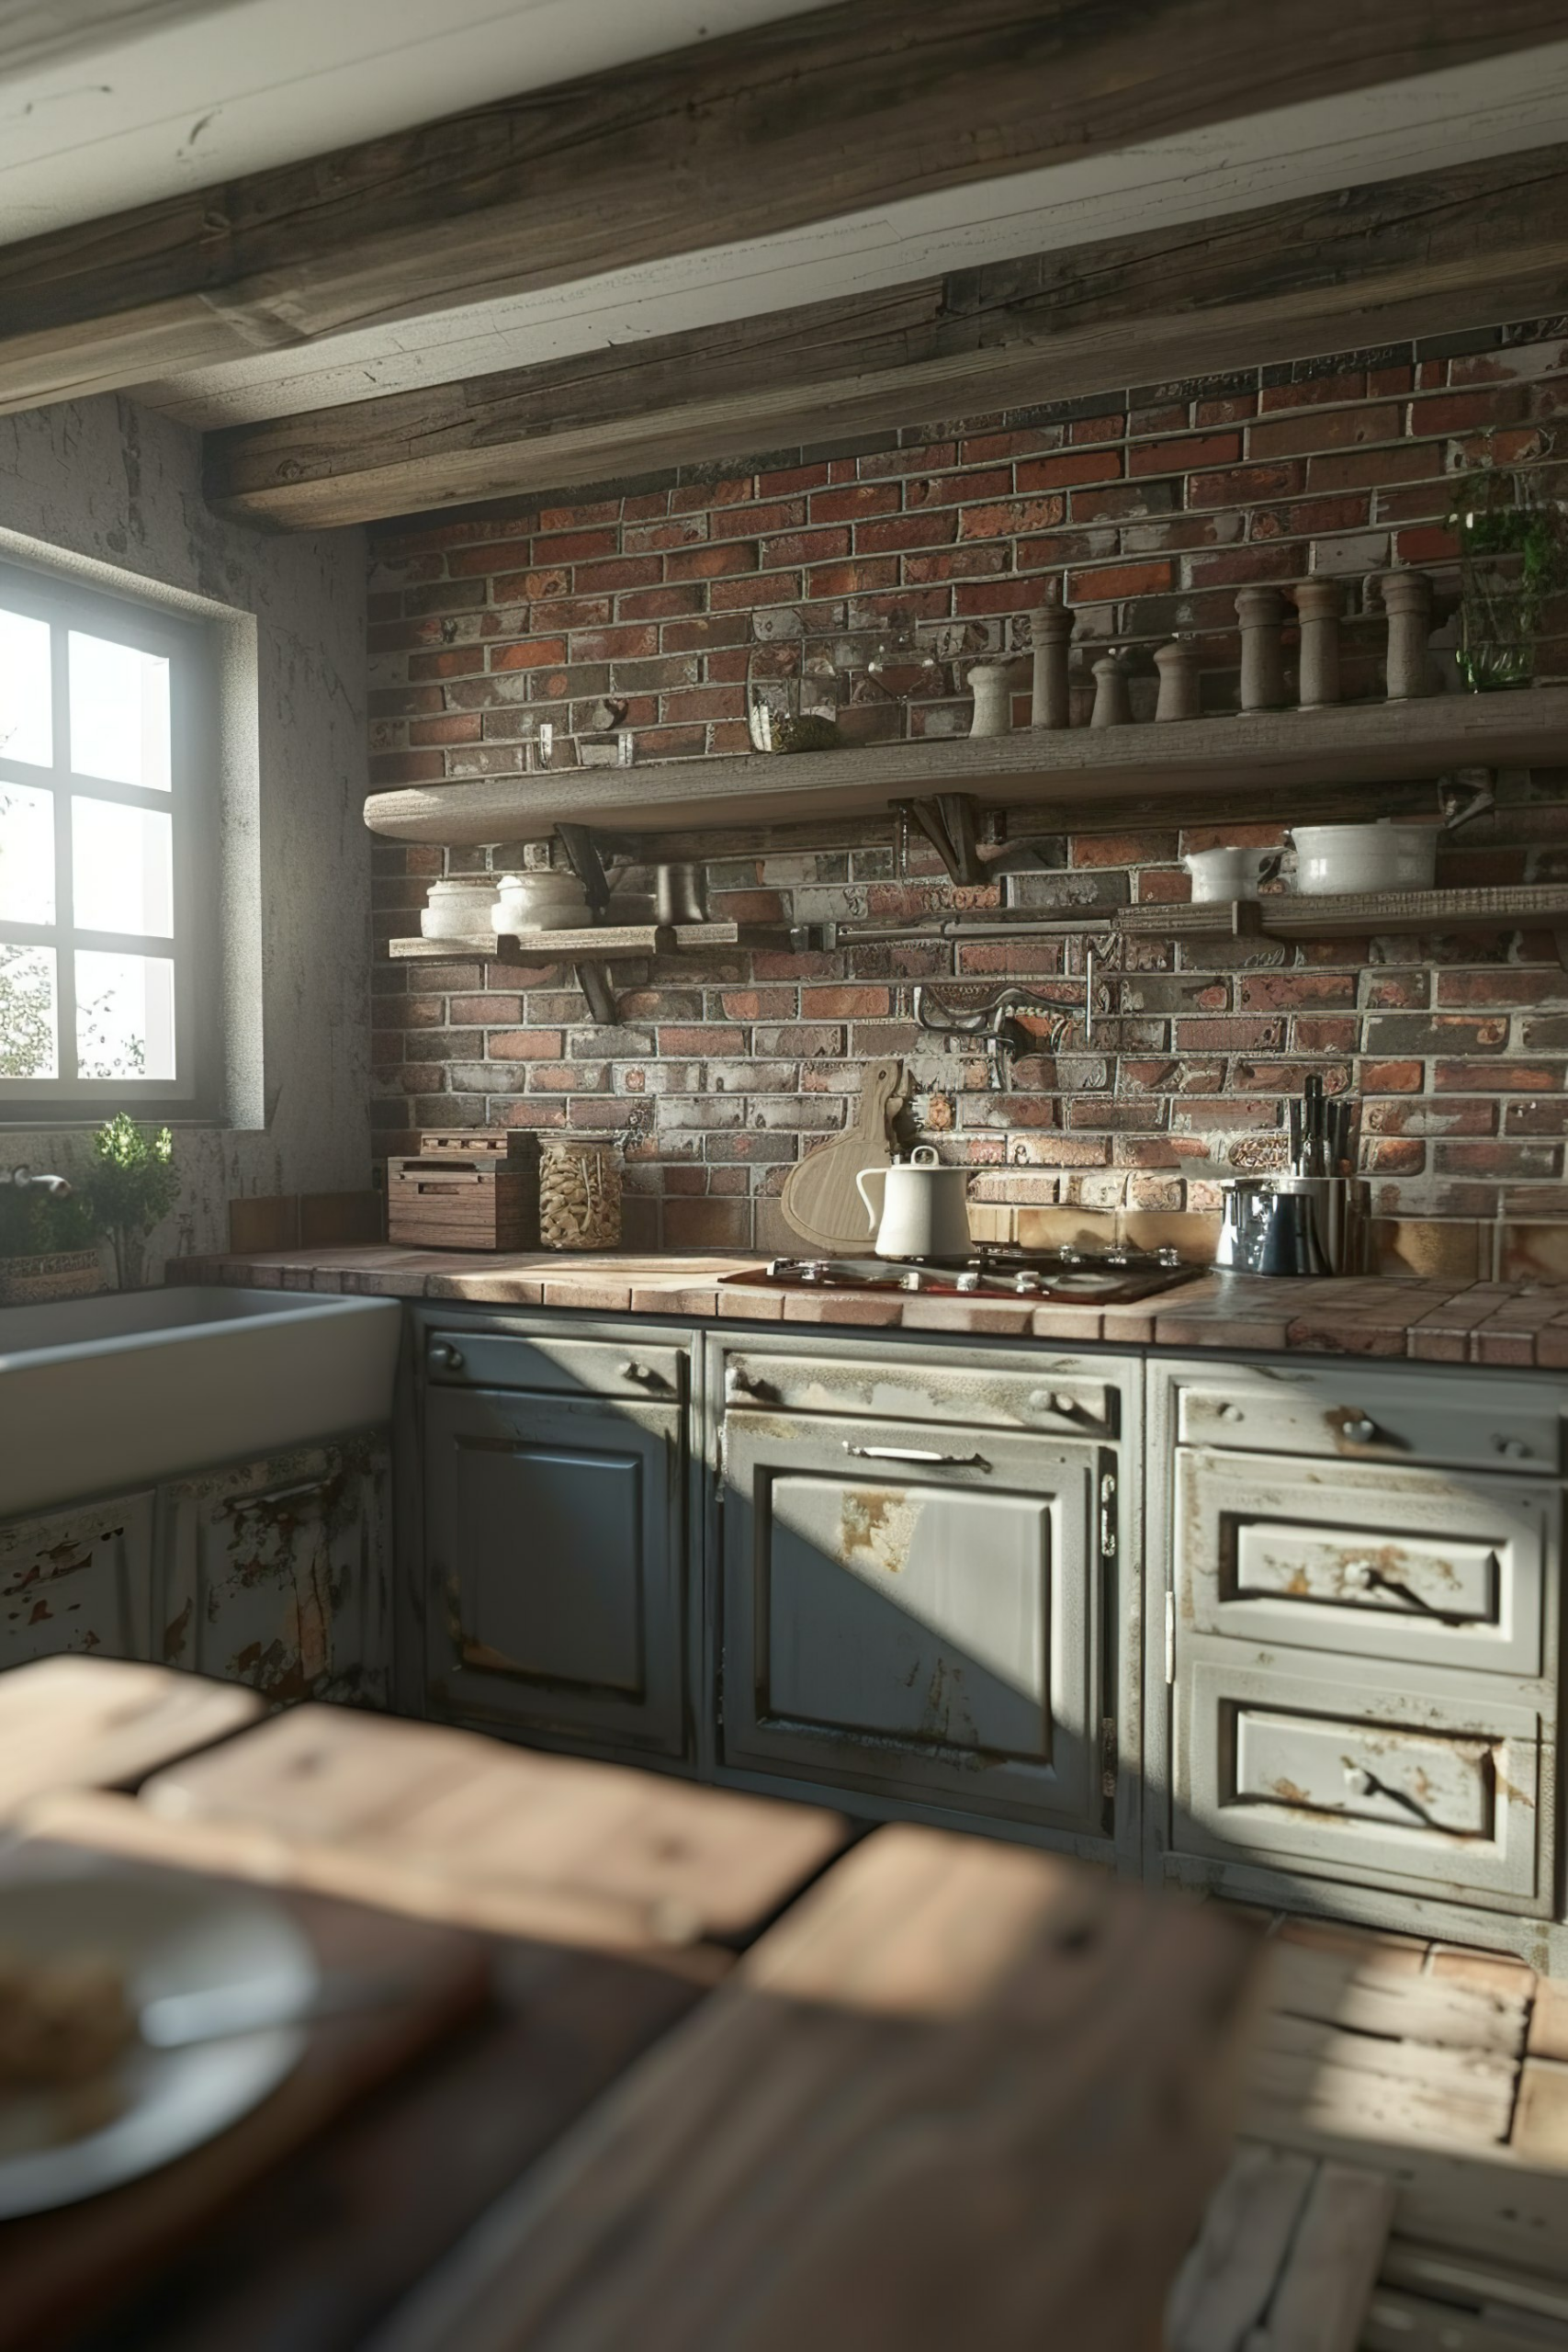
<point>1108,1277</point>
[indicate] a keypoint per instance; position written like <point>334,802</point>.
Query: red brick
<point>1241,567</point>
<point>845,1004</point>
<point>1373,469</point>
<point>855,500</point>
<point>896,532</point>
<point>788,479</point>
<point>1124,849</point>
<point>861,578</point>
<point>640,539</point>
<point>698,497</point>
<point>957,489</point>
<point>986,556</point>
<point>455,661</point>
<point>1428,545</point>
<point>1006,520</point>
<point>723,560</point>
<point>534,653</point>
<point>1390,1078</point>
<point>1470,412</point>
<point>1186,455</point>
<point>453,727</point>
<point>764,588</point>
<point>525,1046</point>
<point>406,767</point>
<point>624,572</point>
<point>1314,391</point>
<point>1242,485</point>
<point>1109,425</point>
<point>659,604</point>
<point>808,546</point>
<point>1120,579</point>
<point>750,522</point>
<point>1346,428</point>
<point>1075,466</point>
<point>1234,408</point>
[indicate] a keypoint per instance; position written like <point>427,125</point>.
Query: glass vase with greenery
<point>1513,560</point>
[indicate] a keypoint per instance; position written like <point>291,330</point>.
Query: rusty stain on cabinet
<point>278,1573</point>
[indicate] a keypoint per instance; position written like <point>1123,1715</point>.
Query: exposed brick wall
<point>1153,507</point>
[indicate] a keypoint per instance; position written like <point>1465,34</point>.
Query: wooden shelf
<point>1277,751</point>
<point>597,943</point>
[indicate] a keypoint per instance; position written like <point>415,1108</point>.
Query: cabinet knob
<point>643,1374</point>
<point>740,1390</point>
<point>1512,1448</point>
<point>1064,1406</point>
<point>1231,1413</point>
<point>447,1357</point>
<point>1359,1429</point>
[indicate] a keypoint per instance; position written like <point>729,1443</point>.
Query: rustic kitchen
<point>783,1234</point>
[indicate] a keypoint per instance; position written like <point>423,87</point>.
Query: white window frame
<point>189,803</point>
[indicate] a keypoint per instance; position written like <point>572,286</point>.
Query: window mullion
<point>64,910</point>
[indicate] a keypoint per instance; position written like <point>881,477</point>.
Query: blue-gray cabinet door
<point>555,1554</point>
<point>79,1578</point>
<point>918,1612</point>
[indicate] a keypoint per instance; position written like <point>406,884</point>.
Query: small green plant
<point>133,1185</point>
<point>1513,560</point>
<point>34,1225</point>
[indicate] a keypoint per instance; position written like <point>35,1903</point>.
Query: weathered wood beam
<point>792,122</point>
<point>1466,247</point>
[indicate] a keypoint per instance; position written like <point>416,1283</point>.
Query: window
<point>106,864</point>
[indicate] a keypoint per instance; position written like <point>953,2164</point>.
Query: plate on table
<point>160,1933</point>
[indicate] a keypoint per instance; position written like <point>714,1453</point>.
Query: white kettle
<point>924,1210</point>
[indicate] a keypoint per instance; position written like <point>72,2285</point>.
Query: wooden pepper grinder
<point>1261,612</point>
<point>1050,627</point>
<point>1112,706</point>
<point>1407,601</point>
<point>1179,687</point>
<point>1317,605</point>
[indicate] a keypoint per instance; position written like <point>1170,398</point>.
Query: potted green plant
<point>131,1187</point>
<point>1513,561</point>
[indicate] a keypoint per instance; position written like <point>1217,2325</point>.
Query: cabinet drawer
<point>1363,1415</point>
<point>1010,1398</point>
<point>456,1358</point>
<point>1376,1563</point>
<point>1377,1786</point>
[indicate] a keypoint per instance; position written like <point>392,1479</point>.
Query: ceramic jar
<point>923,1209</point>
<point>539,901</point>
<point>990,683</point>
<point>459,908</point>
<point>1220,876</point>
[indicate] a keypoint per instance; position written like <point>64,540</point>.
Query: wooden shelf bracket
<point>947,821</point>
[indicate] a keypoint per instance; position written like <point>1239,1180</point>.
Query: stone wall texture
<point>1150,507</point>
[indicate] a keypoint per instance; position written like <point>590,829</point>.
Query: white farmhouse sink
<point>99,1395</point>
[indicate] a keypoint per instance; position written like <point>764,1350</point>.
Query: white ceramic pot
<point>1335,858</point>
<point>1224,874</point>
<point>541,901</point>
<point>458,909</point>
<point>924,1207</point>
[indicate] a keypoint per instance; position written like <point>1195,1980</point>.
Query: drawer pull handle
<point>643,1374</point>
<point>1066,1407</point>
<point>447,1357</point>
<point>1231,1413</point>
<point>1359,1429</point>
<point>915,1454</point>
<point>739,1390</point>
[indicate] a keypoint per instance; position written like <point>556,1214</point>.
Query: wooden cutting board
<point>819,1201</point>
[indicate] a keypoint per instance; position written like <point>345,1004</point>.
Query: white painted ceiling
<point>107,103</point>
<point>1405,127</point>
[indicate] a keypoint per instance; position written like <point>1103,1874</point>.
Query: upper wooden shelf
<point>1275,751</point>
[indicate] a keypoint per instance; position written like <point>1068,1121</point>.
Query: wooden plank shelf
<point>596,943</point>
<point>1273,752</point>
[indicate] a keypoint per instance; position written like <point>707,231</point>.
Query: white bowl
<point>458,909</point>
<point>1333,859</point>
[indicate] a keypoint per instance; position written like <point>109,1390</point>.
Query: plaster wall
<point>112,492</point>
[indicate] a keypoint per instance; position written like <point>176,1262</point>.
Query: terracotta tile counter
<point>1513,1324</point>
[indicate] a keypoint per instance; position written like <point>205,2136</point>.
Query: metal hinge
<point>1170,1636</point>
<point>1107,1515</point>
<point>1107,1756</point>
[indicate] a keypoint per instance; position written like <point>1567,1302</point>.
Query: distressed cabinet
<point>556,1559</point>
<point>277,1573</point>
<point>918,1578</point>
<point>79,1578</point>
<point>1359,1568</point>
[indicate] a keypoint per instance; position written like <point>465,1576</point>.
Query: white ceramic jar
<point>539,901</point>
<point>1222,876</point>
<point>1332,859</point>
<point>459,908</point>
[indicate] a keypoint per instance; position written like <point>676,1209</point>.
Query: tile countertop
<point>1517,1324</point>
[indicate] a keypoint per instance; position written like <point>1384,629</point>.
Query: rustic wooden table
<point>778,2171</point>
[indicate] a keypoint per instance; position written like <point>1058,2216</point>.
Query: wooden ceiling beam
<point>1440,252</point>
<point>802,121</point>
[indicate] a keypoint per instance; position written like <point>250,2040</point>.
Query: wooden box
<point>473,1192</point>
